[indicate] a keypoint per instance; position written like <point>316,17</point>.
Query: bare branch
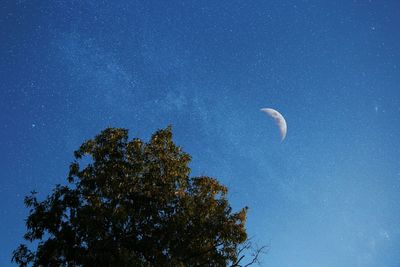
<point>256,252</point>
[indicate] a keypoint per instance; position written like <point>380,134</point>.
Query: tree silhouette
<point>133,204</point>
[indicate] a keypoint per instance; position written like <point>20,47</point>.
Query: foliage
<point>133,204</point>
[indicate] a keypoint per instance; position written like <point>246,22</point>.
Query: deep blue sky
<point>327,196</point>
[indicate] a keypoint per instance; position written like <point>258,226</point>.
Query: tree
<point>133,204</point>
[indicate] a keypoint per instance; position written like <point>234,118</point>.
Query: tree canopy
<point>132,203</point>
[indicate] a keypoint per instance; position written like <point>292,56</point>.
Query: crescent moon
<point>279,120</point>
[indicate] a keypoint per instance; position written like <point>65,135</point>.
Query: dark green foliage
<point>134,204</point>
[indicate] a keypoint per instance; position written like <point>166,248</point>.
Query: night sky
<point>328,195</point>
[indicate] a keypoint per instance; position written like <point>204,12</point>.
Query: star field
<point>326,196</point>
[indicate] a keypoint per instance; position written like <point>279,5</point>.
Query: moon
<point>279,120</point>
